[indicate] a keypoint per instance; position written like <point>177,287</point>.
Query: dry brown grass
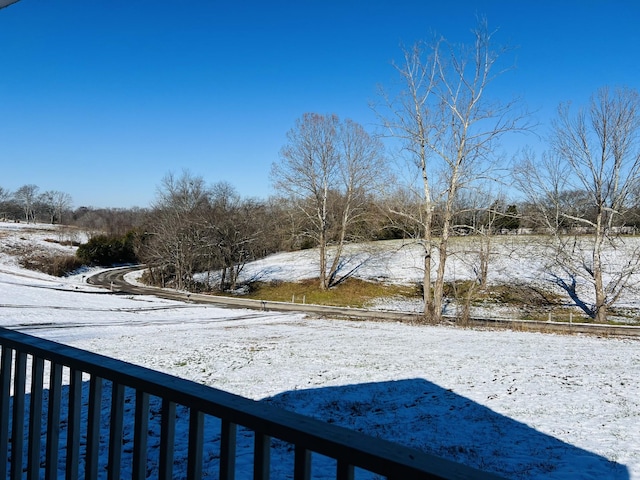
<point>352,292</point>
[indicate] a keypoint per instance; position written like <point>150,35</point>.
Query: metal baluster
<point>5,393</point>
<point>261,457</point>
<point>196,434</point>
<point>73,424</point>
<point>228,435</point>
<point>35,419</point>
<point>345,471</point>
<point>167,438</point>
<point>17,433</point>
<point>93,428</point>
<point>115,431</point>
<point>140,436</point>
<point>53,422</point>
<point>302,465</point>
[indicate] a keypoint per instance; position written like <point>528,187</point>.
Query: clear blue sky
<point>100,99</point>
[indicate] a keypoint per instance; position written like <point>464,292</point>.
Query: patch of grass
<point>514,294</point>
<point>64,243</point>
<point>57,265</point>
<point>504,294</point>
<point>352,292</point>
<point>558,314</point>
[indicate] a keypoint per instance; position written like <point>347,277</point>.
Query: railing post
<point>228,435</point>
<point>5,393</point>
<point>93,427</point>
<point>17,431</point>
<point>261,457</point>
<point>140,436</point>
<point>167,439</point>
<point>115,431</point>
<point>73,424</point>
<point>194,461</point>
<point>35,419</point>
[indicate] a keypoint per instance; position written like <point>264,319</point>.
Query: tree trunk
<point>600,307</point>
<point>323,261</point>
<point>223,278</point>
<point>428,250</point>
<point>485,249</point>
<point>438,288</point>
<point>343,233</point>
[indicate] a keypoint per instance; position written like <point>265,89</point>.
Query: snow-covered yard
<point>524,405</point>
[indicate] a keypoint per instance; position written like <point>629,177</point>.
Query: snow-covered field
<point>524,405</point>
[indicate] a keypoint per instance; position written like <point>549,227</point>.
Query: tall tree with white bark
<point>449,128</point>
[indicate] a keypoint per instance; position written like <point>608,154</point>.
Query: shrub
<point>107,250</point>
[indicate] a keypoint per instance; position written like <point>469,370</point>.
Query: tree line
<point>29,205</point>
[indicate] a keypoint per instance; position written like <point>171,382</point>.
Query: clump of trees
<point>29,205</point>
<point>194,228</point>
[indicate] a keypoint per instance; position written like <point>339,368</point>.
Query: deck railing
<point>63,413</point>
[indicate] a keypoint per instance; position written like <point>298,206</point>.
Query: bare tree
<point>177,242</point>
<point>54,203</point>
<point>4,194</point>
<point>27,196</point>
<point>586,183</point>
<point>195,228</point>
<point>5,197</point>
<point>479,214</point>
<point>327,169</point>
<point>234,229</point>
<point>110,221</point>
<point>449,129</point>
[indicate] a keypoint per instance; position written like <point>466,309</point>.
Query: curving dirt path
<point>115,281</point>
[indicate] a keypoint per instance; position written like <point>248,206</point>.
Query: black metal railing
<point>64,412</point>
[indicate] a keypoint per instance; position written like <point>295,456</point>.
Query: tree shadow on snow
<point>425,416</point>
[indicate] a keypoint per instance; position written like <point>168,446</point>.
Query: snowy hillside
<point>515,260</point>
<point>524,405</point>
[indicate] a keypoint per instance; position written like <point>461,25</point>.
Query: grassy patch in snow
<point>352,292</point>
<point>50,263</point>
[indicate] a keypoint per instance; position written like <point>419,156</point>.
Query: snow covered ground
<point>524,405</point>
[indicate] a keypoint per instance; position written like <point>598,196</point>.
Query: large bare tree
<point>328,168</point>
<point>27,196</point>
<point>586,184</point>
<point>54,204</point>
<point>177,242</point>
<point>449,128</point>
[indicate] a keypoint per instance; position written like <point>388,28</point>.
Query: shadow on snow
<point>425,416</point>
<point>413,412</point>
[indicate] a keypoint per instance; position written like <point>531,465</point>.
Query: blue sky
<point>100,99</point>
